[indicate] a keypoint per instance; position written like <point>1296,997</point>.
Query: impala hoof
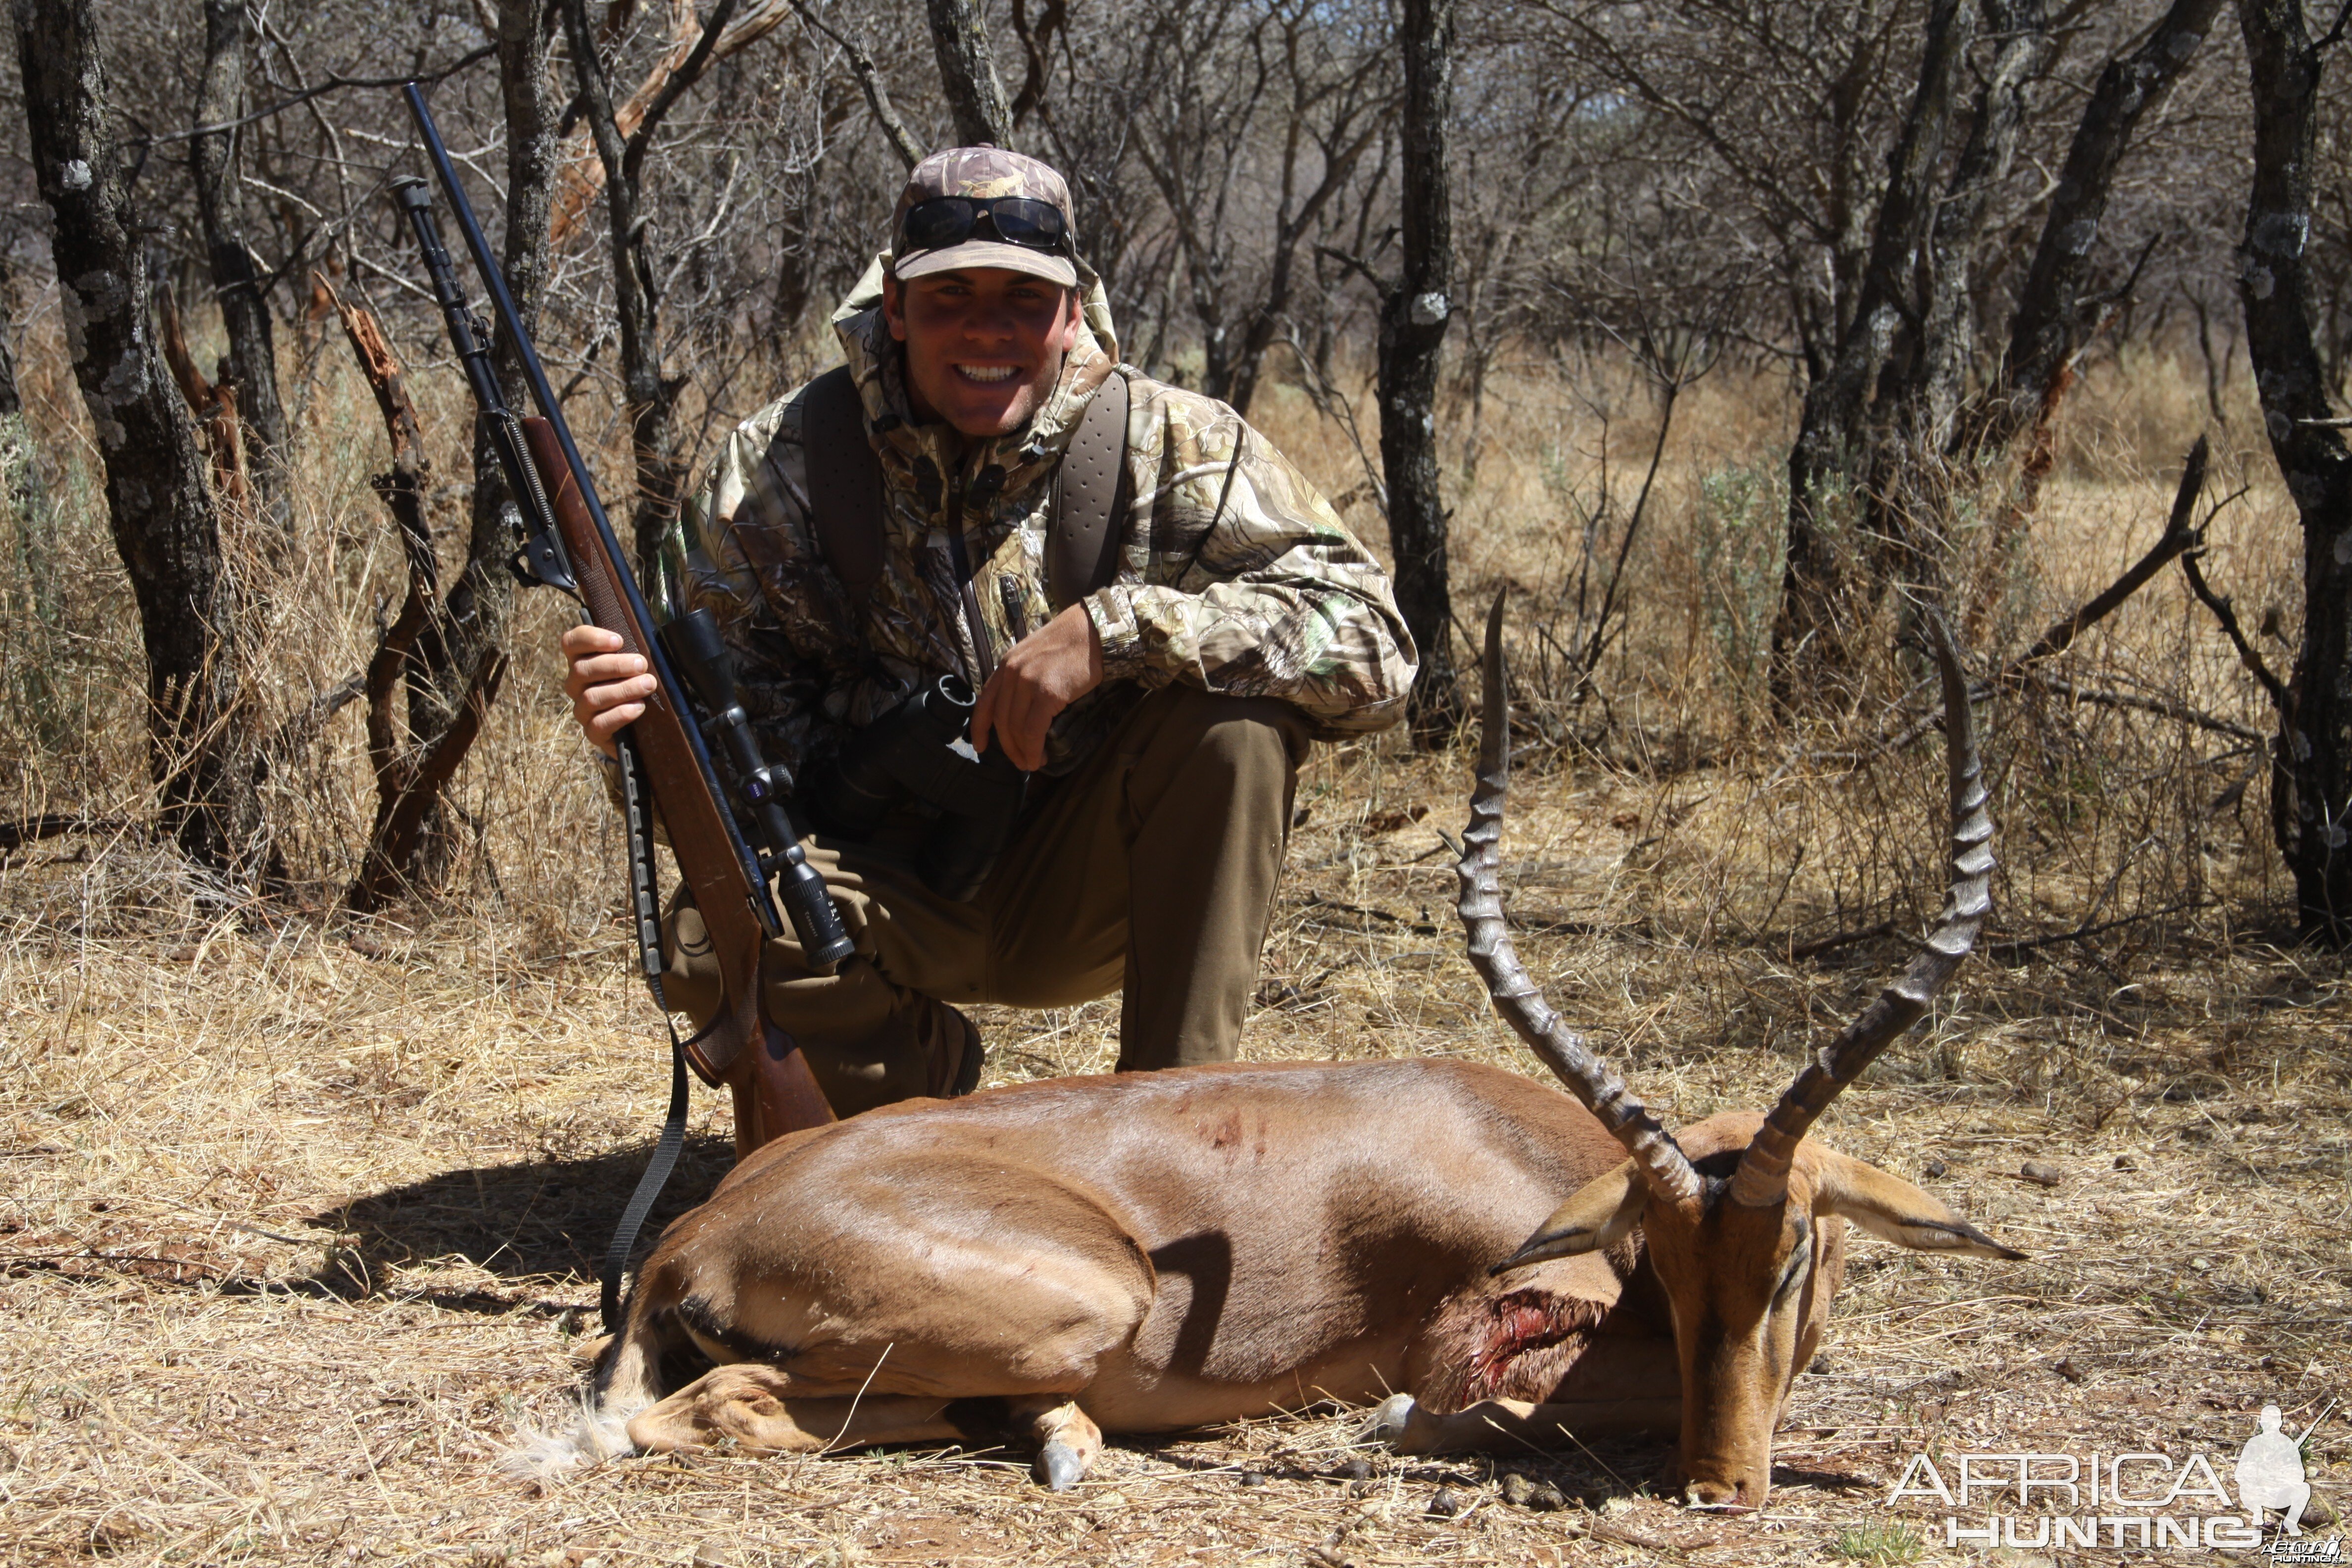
<point>1059,1466</point>
<point>1391,1418</point>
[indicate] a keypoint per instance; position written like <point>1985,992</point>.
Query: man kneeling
<point>1154,634</point>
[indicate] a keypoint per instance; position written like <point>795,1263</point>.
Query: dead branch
<point>421,779</point>
<point>410,772</point>
<point>580,173</point>
<point>2179,535</point>
<point>302,726</point>
<point>2083,932</point>
<point>2090,696</point>
<point>24,830</point>
<point>214,404</point>
<point>2163,707</point>
<point>1820,945</point>
<point>2248,655</point>
<point>403,489</point>
<point>870,79</point>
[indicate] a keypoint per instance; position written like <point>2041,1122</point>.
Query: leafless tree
<point>652,396</point>
<point>165,526</point>
<point>1256,114</point>
<point>215,167</point>
<point>2311,797</point>
<point>2056,305</point>
<point>968,74</point>
<point>1414,314</point>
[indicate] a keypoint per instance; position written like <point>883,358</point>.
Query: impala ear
<point>1601,1213</point>
<point>1894,1210</point>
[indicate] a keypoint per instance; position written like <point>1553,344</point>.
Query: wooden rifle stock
<point>774,1091</point>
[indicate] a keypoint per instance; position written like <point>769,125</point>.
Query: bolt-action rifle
<point>665,759</point>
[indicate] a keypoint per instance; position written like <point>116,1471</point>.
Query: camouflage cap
<point>983,172</point>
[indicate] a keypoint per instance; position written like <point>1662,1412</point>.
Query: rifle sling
<point>644,894</point>
<point>650,1185</point>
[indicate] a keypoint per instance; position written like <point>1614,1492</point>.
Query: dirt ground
<point>300,1220</point>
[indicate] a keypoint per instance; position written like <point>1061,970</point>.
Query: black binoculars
<point>921,751</point>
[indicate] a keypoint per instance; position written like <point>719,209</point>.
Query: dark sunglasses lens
<point>942,221</point>
<point>1025,221</point>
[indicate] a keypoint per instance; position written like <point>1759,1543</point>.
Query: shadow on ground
<point>526,1219</point>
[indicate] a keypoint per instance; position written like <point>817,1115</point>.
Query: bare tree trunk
<point>2052,322</point>
<point>165,527</point>
<point>1948,346</point>
<point>1412,335</point>
<point>2311,777</point>
<point>251,365</point>
<point>457,654</point>
<point>31,683</point>
<point>12,399</point>
<point>485,596</point>
<point>1909,492</point>
<point>661,466</point>
<point>968,74</point>
<point>1294,217</point>
<point>1831,456</point>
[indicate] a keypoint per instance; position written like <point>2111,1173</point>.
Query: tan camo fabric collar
<point>1026,456</point>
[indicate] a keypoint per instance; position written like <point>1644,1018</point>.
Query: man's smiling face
<point>984,344</point>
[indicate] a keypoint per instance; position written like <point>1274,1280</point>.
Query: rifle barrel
<point>534,374</point>
<point>804,898</point>
<point>510,321</point>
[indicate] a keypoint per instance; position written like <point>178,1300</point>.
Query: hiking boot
<point>927,1049</point>
<point>956,1052</point>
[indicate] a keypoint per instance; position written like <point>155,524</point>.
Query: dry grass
<point>298,1218</point>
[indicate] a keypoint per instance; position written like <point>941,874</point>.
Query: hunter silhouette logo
<point>2270,1474</point>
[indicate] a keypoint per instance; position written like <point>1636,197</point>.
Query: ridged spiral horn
<point>1517,996</point>
<point>1762,1179</point>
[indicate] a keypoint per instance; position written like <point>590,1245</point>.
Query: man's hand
<point>1047,671</point>
<point>608,688</point>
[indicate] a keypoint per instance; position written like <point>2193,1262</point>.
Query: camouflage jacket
<point>1233,574</point>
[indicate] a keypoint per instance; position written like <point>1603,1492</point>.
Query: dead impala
<point>1157,1251</point>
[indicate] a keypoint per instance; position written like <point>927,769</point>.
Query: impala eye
<point>1796,1271</point>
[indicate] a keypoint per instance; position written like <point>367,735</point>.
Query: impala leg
<point>627,1381</point>
<point>1068,1441</point>
<point>759,1407</point>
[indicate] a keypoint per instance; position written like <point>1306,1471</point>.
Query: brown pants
<point>1150,869</point>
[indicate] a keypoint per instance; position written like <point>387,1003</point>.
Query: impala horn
<point>1762,1179</point>
<point>1516,998</point>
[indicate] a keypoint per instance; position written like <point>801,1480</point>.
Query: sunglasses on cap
<point>943,221</point>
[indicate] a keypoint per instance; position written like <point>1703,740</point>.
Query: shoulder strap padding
<point>845,481</point>
<point>1082,547</point>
